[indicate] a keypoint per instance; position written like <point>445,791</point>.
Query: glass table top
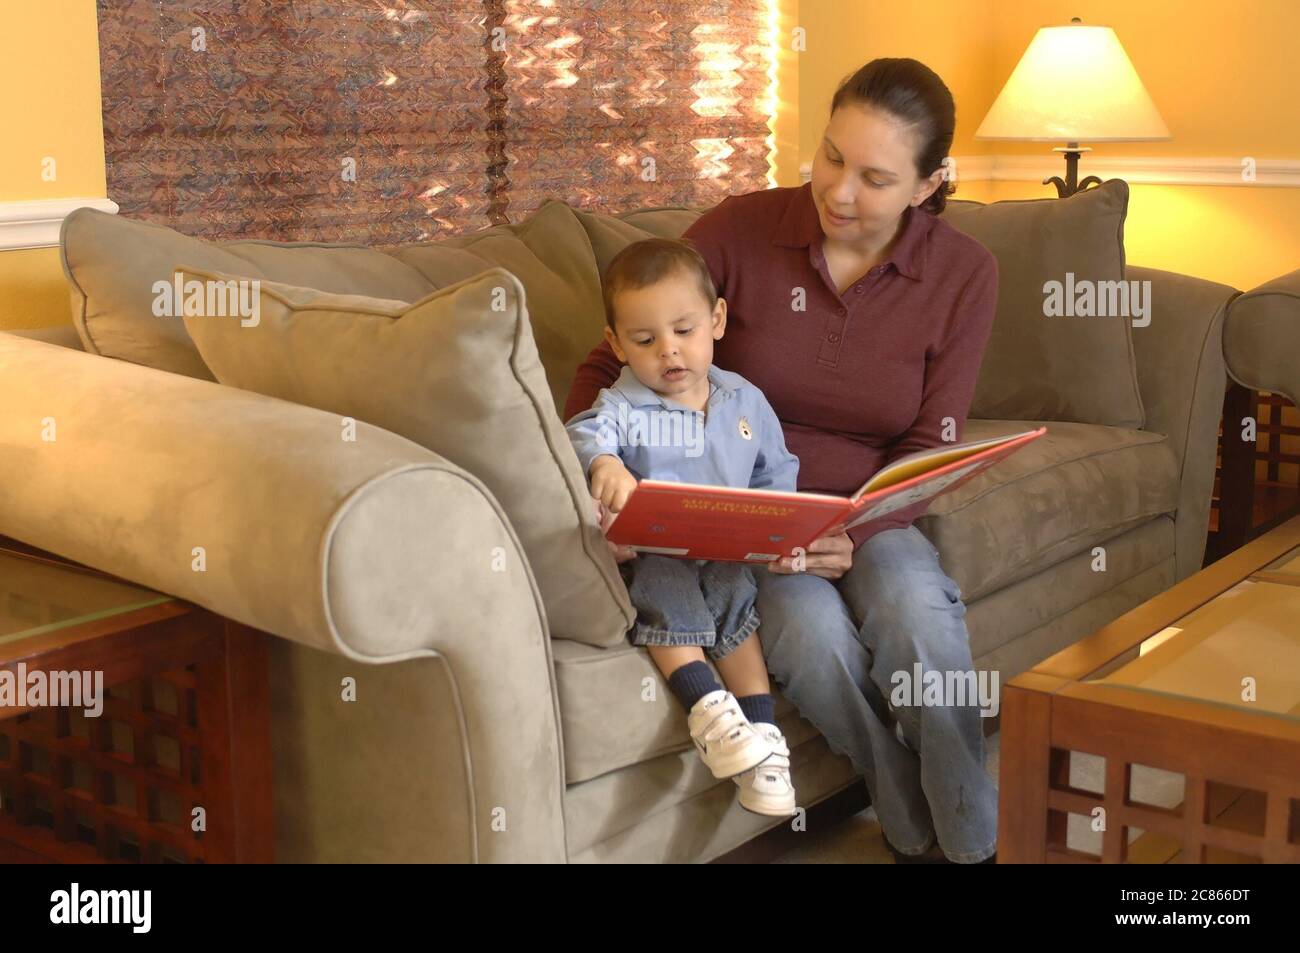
<point>39,597</point>
<point>1289,564</point>
<point>1240,649</point>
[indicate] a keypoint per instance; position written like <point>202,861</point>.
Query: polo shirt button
<point>858,289</point>
<point>833,338</point>
<point>843,310</point>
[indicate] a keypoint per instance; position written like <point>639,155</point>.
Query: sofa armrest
<point>1261,338</point>
<point>1181,374</point>
<point>374,549</point>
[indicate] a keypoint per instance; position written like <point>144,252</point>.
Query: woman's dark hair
<point>914,94</point>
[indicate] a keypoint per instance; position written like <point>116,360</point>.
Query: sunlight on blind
<point>619,104</point>
<point>393,121</point>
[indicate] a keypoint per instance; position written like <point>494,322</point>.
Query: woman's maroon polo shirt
<point>857,379</point>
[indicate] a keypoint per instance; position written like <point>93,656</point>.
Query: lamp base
<point>1070,184</point>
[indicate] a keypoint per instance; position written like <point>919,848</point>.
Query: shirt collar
<point>800,227</point>
<point>641,396</point>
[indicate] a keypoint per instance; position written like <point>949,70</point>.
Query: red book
<point>698,521</point>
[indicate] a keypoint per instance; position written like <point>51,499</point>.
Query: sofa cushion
<point>1071,489</point>
<point>456,372</point>
<point>610,234</point>
<point>1071,367</point>
<point>616,709</point>
<point>112,264</point>
<point>550,253</point>
<point>1035,368</point>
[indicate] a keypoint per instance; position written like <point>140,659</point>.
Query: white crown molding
<point>1276,173</point>
<point>36,224</point>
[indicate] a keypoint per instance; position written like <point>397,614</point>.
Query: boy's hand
<point>604,517</point>
<point>611,483</point>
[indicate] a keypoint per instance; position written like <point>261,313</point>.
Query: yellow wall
<point>785,124</point>
<point>949,36</point>
<point>49,71</point>
<point>1224,77</point>
<point>33,291</point>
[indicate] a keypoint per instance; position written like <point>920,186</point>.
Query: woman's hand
<point>604,517</point>
<point>828,556</point>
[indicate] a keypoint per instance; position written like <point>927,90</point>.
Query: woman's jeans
<point>834,648</point>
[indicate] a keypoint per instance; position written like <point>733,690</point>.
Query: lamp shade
<point>1074,83</point>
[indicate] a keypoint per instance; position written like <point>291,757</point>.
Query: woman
<point>863,318</point>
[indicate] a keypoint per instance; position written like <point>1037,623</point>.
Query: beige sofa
<point>485,738</point>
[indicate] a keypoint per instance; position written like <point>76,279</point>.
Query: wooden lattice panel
<point>1256,485</point>
<point>1214,823</point>
<point>117,787</point>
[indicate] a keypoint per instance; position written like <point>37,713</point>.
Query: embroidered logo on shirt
<point>745,431</point>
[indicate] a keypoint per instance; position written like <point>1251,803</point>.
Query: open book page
<point>923,461</point>
<point>924,490</point>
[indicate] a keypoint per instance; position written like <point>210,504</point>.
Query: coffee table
<point>1188,710</point>
<point>176,764</point>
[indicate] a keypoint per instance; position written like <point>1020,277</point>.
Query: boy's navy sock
<point>758,708</point>
<point>691,682</point>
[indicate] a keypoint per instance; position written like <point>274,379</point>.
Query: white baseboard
<point>36,224</point>
<point>1275,173</point>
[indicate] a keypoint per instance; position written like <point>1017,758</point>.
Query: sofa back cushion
<point>1035,367</point>
<point>610,234</point>
<point>457,372</point>
<point>550,253</point>
<point>113,264</point>
<point>1070,367</point>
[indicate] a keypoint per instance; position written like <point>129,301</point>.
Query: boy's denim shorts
<point>691,602</point>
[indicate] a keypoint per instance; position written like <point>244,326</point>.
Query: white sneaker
<point>728,743</point>
<point>767,789</point>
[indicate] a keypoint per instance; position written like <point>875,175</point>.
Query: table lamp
<point>1074,83</point>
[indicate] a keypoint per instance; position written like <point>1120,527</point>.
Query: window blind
<point>394,121</point>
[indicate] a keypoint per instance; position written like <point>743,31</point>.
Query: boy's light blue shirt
<point>660,439</point>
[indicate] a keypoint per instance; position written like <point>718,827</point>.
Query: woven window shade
<point>233,118</point>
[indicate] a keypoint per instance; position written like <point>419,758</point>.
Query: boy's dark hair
<point>649,261</point>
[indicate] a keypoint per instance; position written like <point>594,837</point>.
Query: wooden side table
<point>185,723</point>
<point>1167,687</point>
